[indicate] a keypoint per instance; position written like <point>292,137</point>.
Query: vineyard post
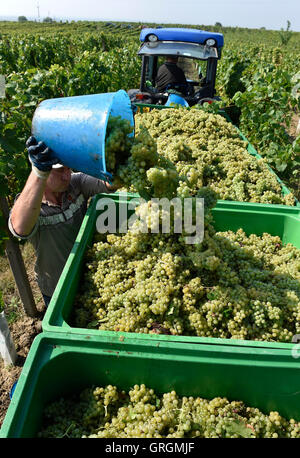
<point>17,266</point>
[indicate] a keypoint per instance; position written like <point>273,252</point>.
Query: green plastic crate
<point>59,365</point>
<point>144,107</point>
<point>276,220</point>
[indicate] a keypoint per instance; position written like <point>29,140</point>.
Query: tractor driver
<point>170,73</point>
<point>49,212</point>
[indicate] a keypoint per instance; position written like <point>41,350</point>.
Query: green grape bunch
<point>208,152</point>
<point>117,142</point>
<point>229,286</point>
<point>145,171</point>
<point>140,412</point>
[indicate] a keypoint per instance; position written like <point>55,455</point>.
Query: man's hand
<point>41,157</point>
<point>116,184</point>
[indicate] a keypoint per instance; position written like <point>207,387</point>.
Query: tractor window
<point>190,68</point>
<point>160,60</point>
<point>151,69</point>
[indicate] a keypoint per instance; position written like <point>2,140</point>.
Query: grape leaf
<point>240,428</point>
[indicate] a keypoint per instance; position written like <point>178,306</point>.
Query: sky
<point>271,14</point>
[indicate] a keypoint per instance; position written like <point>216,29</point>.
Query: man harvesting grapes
<point>49,212</point>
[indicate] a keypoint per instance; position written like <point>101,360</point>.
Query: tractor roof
<point>182,35</point>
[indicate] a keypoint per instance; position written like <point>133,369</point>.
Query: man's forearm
<point>26,209</point>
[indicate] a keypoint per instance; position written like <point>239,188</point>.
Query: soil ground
<point>23,329</point>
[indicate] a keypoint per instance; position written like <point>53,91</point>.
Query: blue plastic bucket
<point>12,390</point>
<point>175,99</point>
<point>75,128</point>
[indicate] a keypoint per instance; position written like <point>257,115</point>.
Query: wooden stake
<point>17,266</point>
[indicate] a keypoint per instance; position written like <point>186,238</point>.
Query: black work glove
<point>41,157</point>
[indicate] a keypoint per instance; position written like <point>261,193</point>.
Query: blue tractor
<point>197,53</point>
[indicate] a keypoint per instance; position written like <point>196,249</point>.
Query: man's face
<point>59,179</point>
